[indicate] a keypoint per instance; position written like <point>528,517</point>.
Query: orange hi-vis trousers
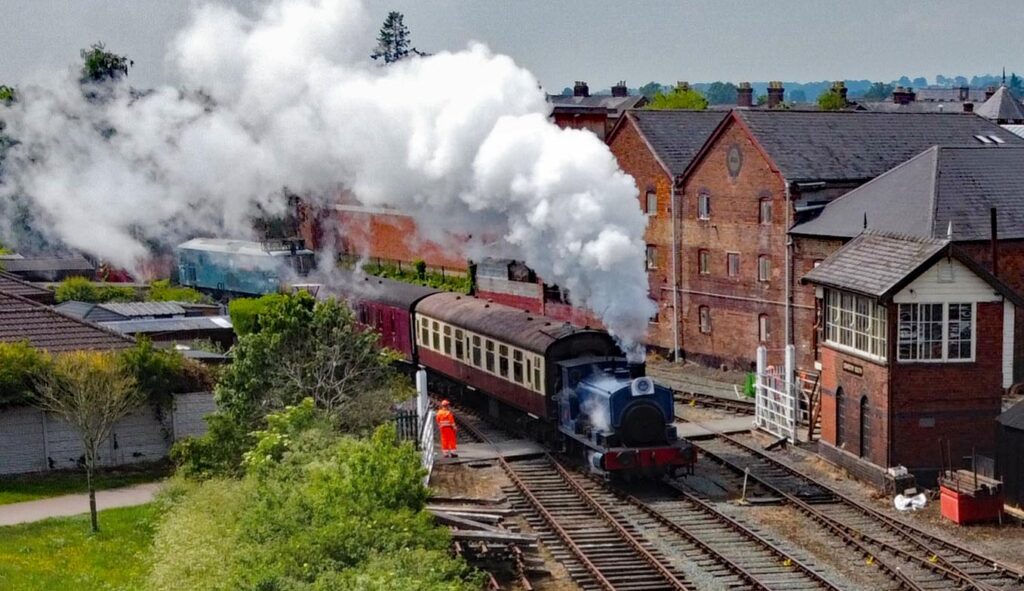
<point>446,424</point>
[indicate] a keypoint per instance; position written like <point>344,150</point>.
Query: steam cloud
<point>289,98</point>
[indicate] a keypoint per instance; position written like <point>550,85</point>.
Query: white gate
<point>425,416</point>
<point>778,396</point>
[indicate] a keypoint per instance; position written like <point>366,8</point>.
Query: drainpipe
<point>675,275</point>
<point>789,270</point>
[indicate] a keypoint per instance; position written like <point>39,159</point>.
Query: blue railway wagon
<point>239,266</point>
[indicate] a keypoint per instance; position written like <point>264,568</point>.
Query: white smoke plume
<point>289,98</point>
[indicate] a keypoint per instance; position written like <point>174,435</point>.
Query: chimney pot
<point>968,107</point>
<point>989,92</point>
<point>744,95</point>
<point>620,89</point>
<point>965,93</point>
<point>776,94</point>
<point>580,89</point>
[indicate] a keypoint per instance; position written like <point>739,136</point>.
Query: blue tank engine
<point>620,417</point>
<point>241,267</point>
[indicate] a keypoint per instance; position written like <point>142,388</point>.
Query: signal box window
<point>705,319</point>
<point>732,264</point>
<point>652,203</point>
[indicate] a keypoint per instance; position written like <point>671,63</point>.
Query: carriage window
<point>517,366</point>
<point>538,379</point>
<point>476,352</point>
<point>489,356</point>
<point>529,371</point>
<point>436,340</point>
<point>424,332</point>
<point>459,344</point>
<point>447,340</point>
<point>503,361</point>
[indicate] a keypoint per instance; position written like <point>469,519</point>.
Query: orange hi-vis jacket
<point>446,423</point>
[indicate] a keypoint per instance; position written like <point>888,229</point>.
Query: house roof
<point>1002,105</point>
<point>879,265</point>
<point>1014,417</point>
<point>43,265</point>
<point>160,325</point>
<point>949,94</point>
<point>11,283</point>
<point>676,136</point>
<point>922,196</point>
<point>114,311</point>
<point>858,145</point>
<point>43,327</point>
<point>614,105</point>
<point>912,107</point>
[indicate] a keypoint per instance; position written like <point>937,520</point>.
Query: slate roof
<point>49,266</point>
<point>1002,106</point>
<point>114,311</point>
<point>11,283</point>
<point>858,145</point>
<point>912,107</point>
<point>43,327</point>
<point>676,136</point>
<point>1014,417</point>
<point>874,264</point>
<point>160,325</point>
<point>922,196</point>
<point>951,95</point>
<point>614,105</point>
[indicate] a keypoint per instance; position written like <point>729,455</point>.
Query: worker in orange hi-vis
<point>446,424</point>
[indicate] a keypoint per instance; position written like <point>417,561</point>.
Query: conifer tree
<point>393,42</point>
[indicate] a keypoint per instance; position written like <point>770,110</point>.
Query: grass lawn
<point>29,487</point>
<point>59,554</point>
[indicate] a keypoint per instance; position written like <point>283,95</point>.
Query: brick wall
<point>392,237</point>
<point>955,401</point>
<point>734,226</point>
<point>637,160</point>
<point>859,378</point>
<point>594,122</point>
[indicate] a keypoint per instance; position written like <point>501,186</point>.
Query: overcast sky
<point>597,41</point>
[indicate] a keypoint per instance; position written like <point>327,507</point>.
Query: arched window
<point>840,418</point>
<point>764,212</point>
<point>865,427</point>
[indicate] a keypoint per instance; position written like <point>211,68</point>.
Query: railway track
<point>611,540</point>
<point>914,559</point>
<point>717,402</point>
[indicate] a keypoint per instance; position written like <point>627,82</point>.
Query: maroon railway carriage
<point>386,306</point>
<point>507,353</point>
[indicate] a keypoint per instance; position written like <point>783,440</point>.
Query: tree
<point>100,65</point>
<point>798,96</point>
<point>393,42</point>
<point>919,82</point>
<point>830,100</point>
<point>649,90</point>
<point>304,348</point>
<point>721,93</point>
<point>1016,85</point>
<point>7,94</point>
<point>91,391</point>
<point>879,91</point>
<point>82,290</point>
<point>682,97</point>
<point>21,366</point>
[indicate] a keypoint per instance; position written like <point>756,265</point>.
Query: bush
<point>245,312</point>
<point>21,366</point>
<point>218,452</point>
<point>163,291</point>
<point>162,372</point>
<point>419,275</point>
<point>82,290</point>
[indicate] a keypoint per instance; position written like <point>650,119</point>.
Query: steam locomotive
<point>564,384</point>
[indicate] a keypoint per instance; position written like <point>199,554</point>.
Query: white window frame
<point>728,265</point>
<point>703,262</point>
<point>704,319</point>
<point>704,206</point>
<point>651,194</point>
<point>764,268</point>
<point>651,261</point>
<point>845,325</point>
<point>764,205</point>
<point>945,322</point>
<point>764,328</point>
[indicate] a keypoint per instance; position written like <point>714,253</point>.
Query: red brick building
<point>760,172</point>
<point>598,113</point>
<point>655,147</point>
<point>917,346</point>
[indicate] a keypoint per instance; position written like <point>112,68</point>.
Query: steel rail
<point>855,536</point>
<point>750,534</point>
<point>905,528</point>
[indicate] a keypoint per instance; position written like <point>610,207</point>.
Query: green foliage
<point>61,554</point>
<point>314,513</point>
<point>218,452</point>
<point>163,372</point>
<point>43,485</point>
<point>649,90</point>
<point>421,268</point>
<point>163,291</point>
<point>446,282</point>
<point>681,97</point>
<point>393,43</point>
<point>100,65</point>
<point>245,312</point>
<point>7,94</point>
<point>82,290</point>
<point>21,366</point>
<point>277,439</point>
<point>831,101</point>
<point>721,93</point>
<point>305,348</point>
<point>879,91</point>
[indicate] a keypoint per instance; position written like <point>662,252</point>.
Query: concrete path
<point>68,505</point>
